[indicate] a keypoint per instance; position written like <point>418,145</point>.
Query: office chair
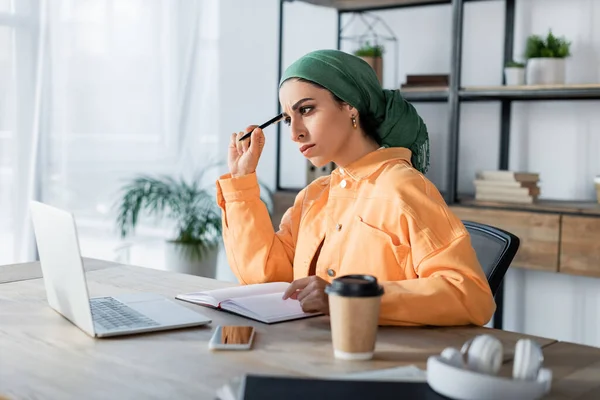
<point>495,250</point>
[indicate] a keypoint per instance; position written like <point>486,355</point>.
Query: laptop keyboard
<point>111,314</point>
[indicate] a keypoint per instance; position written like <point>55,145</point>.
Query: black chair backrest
<point>495,250</point>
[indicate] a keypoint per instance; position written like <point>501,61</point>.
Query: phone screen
<point>235,335</point>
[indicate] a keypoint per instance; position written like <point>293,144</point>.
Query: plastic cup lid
<point>355,286</point>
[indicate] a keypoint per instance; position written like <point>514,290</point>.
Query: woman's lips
<point>306,148</point>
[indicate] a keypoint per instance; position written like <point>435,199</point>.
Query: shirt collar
<point>368,164</point>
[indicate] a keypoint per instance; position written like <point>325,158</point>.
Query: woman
<point>375,214</point>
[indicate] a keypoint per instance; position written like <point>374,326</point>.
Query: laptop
<point>67,292</point>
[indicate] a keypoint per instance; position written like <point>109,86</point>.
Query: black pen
<point>263,126</point>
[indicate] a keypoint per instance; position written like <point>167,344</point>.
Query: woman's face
<point>321,126</point>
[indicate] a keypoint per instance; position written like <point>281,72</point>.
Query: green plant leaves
<point>514,64</point>
<point>551,46</point>
<point>368,50</point>
<point>191,207</point>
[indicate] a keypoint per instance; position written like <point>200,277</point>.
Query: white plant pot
<point>177,259</point>
<point>546,71</point>
<point>514,76</point>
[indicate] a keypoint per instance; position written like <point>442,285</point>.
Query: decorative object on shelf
<point>507,186</point>
<point>514,73</point>
<point>373,55</point>
<point>546,59</point>
<point>369,44</point>
<point>190,207</point>
<point>597,184</point>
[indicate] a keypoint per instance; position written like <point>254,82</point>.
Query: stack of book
<point>426,82</point>
<point>507,186</point>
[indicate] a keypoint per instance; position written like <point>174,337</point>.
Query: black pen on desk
<point>263,126</point>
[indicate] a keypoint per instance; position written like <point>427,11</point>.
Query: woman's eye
<point>287,121</point>
<point>304,110</point>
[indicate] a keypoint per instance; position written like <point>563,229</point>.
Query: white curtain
<point>123,87</point>
<point>19,27</point>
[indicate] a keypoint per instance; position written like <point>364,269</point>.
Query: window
<point>16,47</point>
<point>119,74</point>
<point>119,90</point>
<point>7,121</point>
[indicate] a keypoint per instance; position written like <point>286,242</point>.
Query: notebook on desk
<point>261,302</point>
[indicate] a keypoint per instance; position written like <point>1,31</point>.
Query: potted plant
<point>193,212</point>
<point>546,59</point>
<point>514,73</point>
<point>373,55</point>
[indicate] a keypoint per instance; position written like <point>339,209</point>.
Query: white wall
<point>554,305</point>
<point>300,39</point>
<point>248,72</point>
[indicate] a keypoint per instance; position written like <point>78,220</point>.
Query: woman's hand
<point>310,291</point>
<point>243,156</point>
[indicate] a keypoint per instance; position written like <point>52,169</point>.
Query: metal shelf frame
<point>455,94</point>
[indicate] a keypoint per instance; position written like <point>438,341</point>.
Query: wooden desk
<point>575,371</point>
<point>27,271</point>
<point>45,356</point>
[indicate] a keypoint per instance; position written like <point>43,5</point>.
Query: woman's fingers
<point>258,142</point>
<point>296,285</point>
<point>245,144</point>
<point>239,144</point>
<point>307,291</point>
<point>313,303</point>
<point>233,153</point>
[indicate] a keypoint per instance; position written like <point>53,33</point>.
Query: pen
<point>263,126</point>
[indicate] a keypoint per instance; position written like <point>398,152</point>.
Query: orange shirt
<point>377,216</point>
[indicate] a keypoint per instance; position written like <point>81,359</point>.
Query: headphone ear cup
<point>485,354</point>
<point>453,357</point>
<point>528,360</point>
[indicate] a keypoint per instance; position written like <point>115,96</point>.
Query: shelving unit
<point>454,95</point>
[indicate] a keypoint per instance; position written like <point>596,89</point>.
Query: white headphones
<point>470,374</point>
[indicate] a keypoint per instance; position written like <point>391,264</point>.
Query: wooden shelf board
<point>532,87</point>
<point>432,93</point>
<point>552,206</point>
<point>532,92</point>
<point>425,89</point>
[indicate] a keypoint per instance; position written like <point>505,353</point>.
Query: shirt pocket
<point>370,250</point>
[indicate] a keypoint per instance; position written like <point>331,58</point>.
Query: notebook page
<point>217,296</point>
<point>268,308</point>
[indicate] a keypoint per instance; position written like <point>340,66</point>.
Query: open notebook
<point>262,302</point>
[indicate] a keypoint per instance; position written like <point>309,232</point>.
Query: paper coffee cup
<point>354,302</point>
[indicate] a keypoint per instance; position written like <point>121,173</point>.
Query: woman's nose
<point>298,130</point>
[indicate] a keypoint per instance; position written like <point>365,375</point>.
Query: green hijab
<point>354,81</point>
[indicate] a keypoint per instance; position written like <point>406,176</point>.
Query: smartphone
<point>232,337</point>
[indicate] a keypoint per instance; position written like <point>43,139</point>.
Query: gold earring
<point>354,121</point>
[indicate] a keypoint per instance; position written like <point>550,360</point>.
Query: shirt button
<point>338,227</point>
<point>342,171</point>
<point>343,183</point>
<point>330,272</point>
